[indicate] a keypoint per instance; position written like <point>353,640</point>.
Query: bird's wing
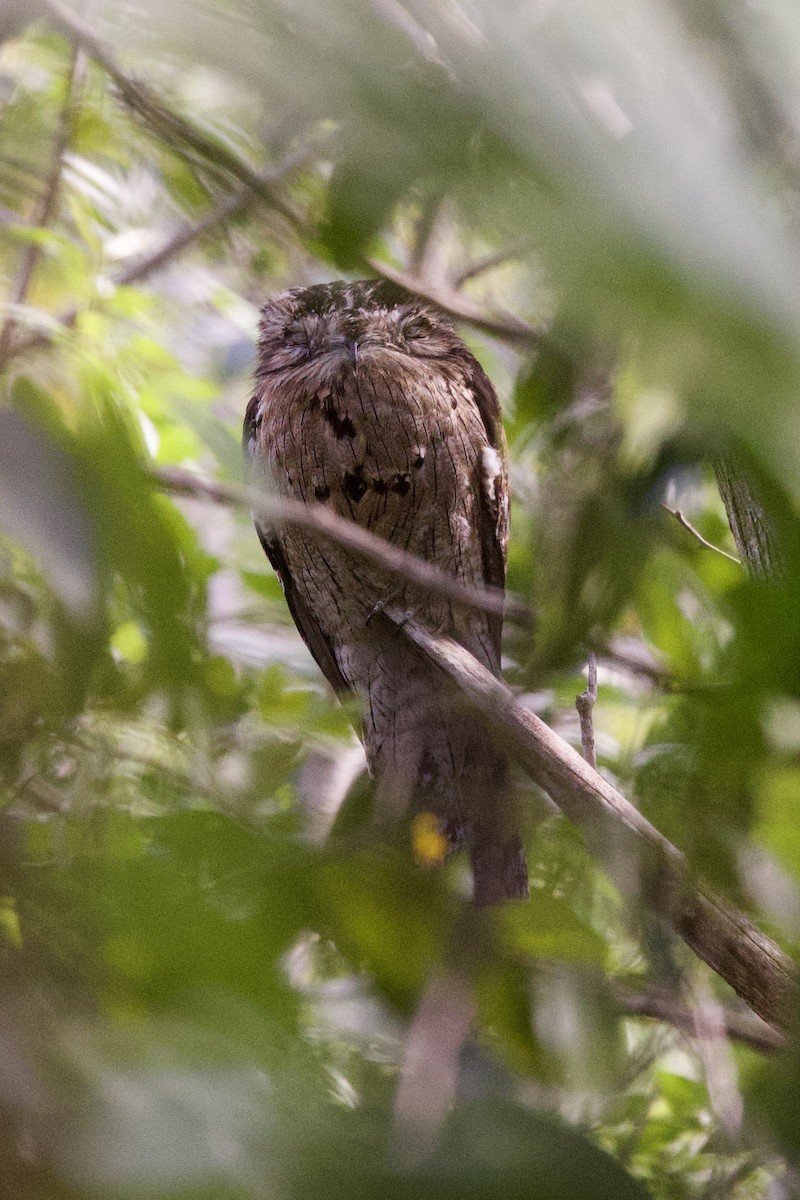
<point>492,486</point>
<point>303,617</point>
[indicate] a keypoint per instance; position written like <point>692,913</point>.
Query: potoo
<point>367,401</point>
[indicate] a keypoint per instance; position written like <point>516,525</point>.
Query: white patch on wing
<point>492,470</point>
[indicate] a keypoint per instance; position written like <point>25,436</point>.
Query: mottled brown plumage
<point>367,401</point>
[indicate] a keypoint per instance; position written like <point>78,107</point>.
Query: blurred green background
<point>213,968</point>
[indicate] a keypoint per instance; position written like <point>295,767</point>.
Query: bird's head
<point>350,321</point>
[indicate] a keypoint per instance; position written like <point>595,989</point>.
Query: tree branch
<point>508,328</point>
<point>192,142</point>
<point>585,703</point>
<point>725,938</point>
<point>751,526</point>
<point>283,510</point>
<point>181,134</point>
<point>661,1005</point>
<point>498,258</point>
<point>48,202</point>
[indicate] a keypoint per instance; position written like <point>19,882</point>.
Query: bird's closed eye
<point>417,327</point>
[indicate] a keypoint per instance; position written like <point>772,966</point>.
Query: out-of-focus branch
<point>232,206</point>
<point>725,938</point>
<point>497,258</point>
<point>282,510</point>
<point>183,135</point>
<point>585,703</point>
<point>661,1005</point>
<point>49,199</point>
<point>429,1074</point>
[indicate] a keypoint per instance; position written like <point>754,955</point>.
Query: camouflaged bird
<point>368,402</point>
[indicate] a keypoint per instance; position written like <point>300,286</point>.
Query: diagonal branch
<point>686,524</point>
<point>183,135</point>
<point>661,1005</point>
<point>283,510</point>
<point>507,328</point>
<point>725,938</point>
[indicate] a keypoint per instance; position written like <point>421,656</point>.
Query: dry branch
<point>508,328</point>
<point>661,1005</point>
<point>725,938</point>
<point>283,510</point>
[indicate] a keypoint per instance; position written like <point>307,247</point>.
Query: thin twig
<point>282,510</point>
<point>508,328</point>
<point>585,703</point>
<point>498,258</point>
<point>686,524</point>
<point>232,206</point>
<point>725,938</point>
<point>49,200</point>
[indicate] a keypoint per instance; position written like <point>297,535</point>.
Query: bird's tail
<point>499,871</point>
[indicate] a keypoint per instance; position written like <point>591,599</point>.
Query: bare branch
<point>662,1005</point>
<point>725,938</point>
<point>508,328</point>
<point>281,510</point>
<point>498,258</point>
<point>585,703</point>
<point>686,524</point>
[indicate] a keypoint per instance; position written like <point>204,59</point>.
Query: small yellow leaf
<point>428,840</point>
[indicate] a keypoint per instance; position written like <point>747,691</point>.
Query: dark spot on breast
<point>342,427</point>
<point>418,461</point>
<point>380,486</point>
<point>402,483</point>
<point>321,491</point>
<point>354,484</point>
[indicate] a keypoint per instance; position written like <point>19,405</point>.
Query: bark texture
<point>618,835</point>
<point>751,526</point>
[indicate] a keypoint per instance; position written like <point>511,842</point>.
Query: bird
<point>368,402</point>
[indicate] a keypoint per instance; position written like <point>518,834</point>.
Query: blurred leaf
<point>42,507</point>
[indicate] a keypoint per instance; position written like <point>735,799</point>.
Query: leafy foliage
<point>214,967</point>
